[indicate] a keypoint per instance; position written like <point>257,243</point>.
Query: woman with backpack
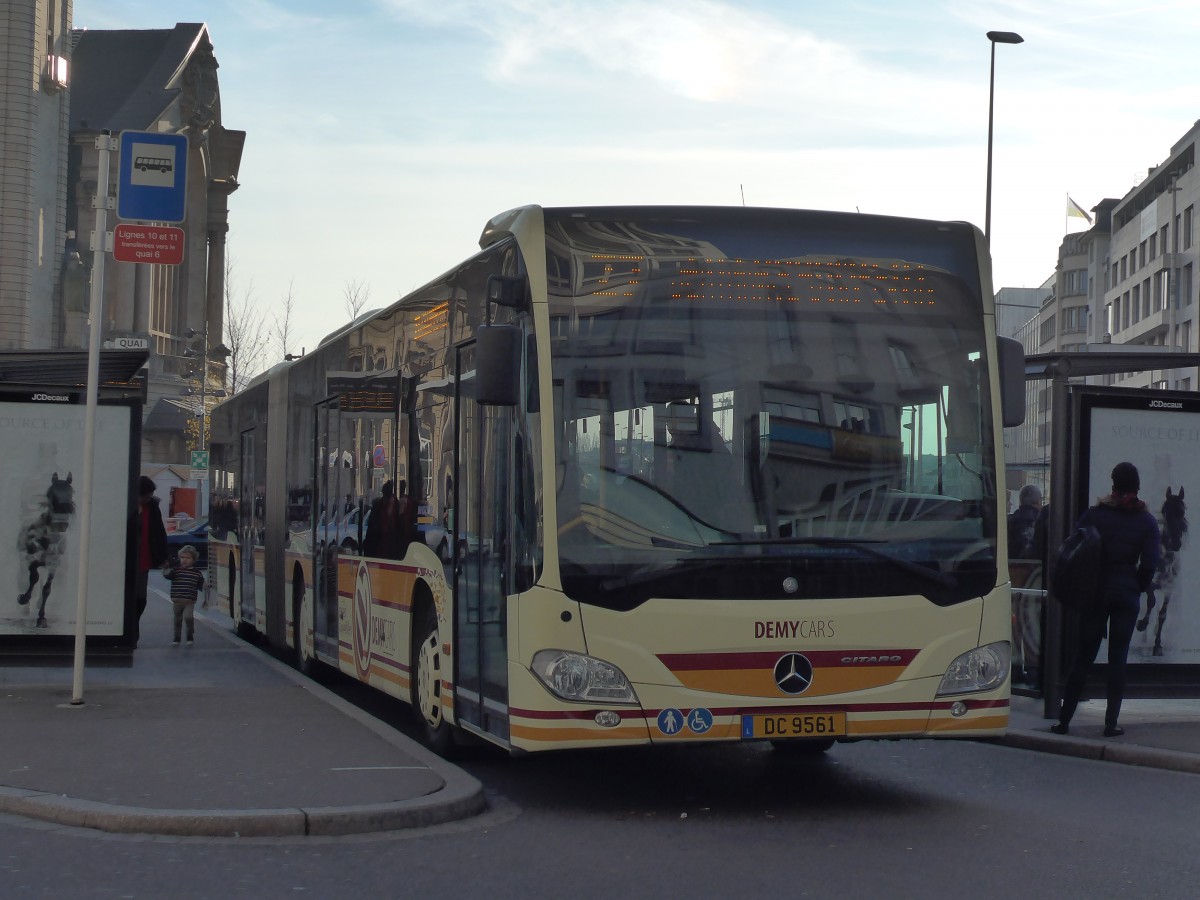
<point>1130,554</point>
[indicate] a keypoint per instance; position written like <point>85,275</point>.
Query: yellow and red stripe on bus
<point>751,673</point>
<point>377,596</point>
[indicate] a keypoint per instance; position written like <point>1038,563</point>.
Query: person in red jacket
<point>152,546</point>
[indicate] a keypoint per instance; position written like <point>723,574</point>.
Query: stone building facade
<point>35,50</point>
<point>60,89</point>
<point>165,81</point>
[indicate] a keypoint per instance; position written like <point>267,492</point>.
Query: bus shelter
<point>1093,428</point>
<point>43,403</point>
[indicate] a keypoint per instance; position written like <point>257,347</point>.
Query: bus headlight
<point>574,676</point>
<point>981,669</point>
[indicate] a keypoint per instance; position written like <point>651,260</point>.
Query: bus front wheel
<point>427,691</point>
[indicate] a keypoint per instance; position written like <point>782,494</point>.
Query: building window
<point>1075,282</point>
<point>1153,247</point>
<point>1074,319</point>
<point>1136,303</point>
<point>1047,333</point>
<point>1185,284</point>
<point>1187,227</point>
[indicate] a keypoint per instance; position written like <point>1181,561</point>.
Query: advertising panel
<point>41,443</point>
<point>1159,432</point>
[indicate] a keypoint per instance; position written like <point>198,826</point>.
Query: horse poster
<point>42,446</point>
<point>1160,434</point>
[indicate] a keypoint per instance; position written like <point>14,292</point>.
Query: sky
<point>382,135</point>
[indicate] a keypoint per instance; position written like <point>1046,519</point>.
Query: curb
<point>1104,751</point>
<point>433,809</point>
<point>461,796</point>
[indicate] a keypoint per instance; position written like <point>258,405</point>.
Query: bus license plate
<point>795,725</point>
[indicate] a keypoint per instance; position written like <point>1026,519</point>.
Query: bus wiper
<point>941,579</point>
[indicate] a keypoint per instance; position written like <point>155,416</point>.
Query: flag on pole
<point>1074,209</point>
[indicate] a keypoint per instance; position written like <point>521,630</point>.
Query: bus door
<point>248,521</point>
<point>481,509</point>
<point>327,514</point>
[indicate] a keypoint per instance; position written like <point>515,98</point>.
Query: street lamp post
<point>996,37</point>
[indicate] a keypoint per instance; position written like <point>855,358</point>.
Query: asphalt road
<point>910,819</point>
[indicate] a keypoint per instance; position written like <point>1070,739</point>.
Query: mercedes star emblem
<point>793,673</point>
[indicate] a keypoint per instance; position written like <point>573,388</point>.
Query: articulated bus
<point>669,475</point>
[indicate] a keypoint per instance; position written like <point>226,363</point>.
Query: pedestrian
<point>152,546</point>
<point>1022,523</point>
<point>186,584</point>
<point>383,527</point>
<point>1130,542</point>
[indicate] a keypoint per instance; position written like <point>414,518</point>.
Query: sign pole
<point>105,144</point>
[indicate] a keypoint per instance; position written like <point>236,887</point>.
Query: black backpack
<point>1079,572</point>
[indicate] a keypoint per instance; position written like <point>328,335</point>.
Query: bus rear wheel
<point>427,689</point>
<point>304,662</point>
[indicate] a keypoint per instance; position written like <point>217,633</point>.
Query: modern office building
<point>1128,282</point>
<point>1149,270</point>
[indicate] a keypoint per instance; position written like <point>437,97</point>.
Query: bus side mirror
<point>1012,381</point>
<point>498,365</point>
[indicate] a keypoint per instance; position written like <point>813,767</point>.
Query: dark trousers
<point>1120,618</point>
<point>141,588</point>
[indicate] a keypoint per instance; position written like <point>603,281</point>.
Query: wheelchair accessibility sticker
<point>699,720</point>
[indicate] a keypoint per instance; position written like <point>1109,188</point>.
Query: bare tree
<point>356,295</point>
<point>282,332</point>
<point>244,334</point>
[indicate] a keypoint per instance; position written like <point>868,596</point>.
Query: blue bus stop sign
<point>153,177</point>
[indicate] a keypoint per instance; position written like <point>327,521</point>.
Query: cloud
<point>702,50</point>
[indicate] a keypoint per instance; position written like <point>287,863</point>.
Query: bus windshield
<point>759,403</point>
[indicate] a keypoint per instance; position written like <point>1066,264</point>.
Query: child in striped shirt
<point>186,584</point>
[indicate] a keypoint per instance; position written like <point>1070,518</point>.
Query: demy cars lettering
<point>793,628</point>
